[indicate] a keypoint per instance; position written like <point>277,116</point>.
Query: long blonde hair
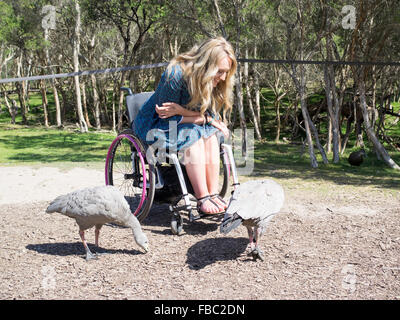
<point>200,66</point>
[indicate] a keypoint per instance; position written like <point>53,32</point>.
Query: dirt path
<point>343,243</point>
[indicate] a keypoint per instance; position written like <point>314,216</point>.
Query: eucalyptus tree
<point>20,25</point>
<point>301,42</point>
<point>371,41</point>
<point>133,19</point>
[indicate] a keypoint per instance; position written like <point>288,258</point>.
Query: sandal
<point>200,201</point>
<point>216,195</point>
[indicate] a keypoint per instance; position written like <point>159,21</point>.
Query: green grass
<point>35,114</point>
<point>36,145</point>
<point>288,161</point>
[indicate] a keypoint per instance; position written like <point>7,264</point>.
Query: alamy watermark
<point>49,278</point>
<point>349,20</point>
<point>49,19</point>
<point>349,279</point>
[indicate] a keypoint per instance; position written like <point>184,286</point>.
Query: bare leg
<point>211,146</point>
<point>89,254</point>
<point>195,163</point>
<point>212,163</point>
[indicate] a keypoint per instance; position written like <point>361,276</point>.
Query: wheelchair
<point>143,182</point>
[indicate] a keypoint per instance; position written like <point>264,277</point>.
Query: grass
<point>36,145</point>
<point>288,161</point>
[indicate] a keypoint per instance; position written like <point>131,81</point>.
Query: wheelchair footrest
<point>173,208</point>
<point>194,217</point>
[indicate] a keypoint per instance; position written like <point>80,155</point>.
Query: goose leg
<point>96,235</point>
<point>251,238</point>
<point>89,254</point>
<point>257,252</point>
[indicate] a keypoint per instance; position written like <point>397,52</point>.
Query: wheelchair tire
<point>176,225</point>
<point>126,168</point>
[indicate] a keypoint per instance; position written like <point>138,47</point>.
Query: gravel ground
<point>340,244</point>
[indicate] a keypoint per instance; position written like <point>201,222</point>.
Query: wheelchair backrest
<point>134,102</point>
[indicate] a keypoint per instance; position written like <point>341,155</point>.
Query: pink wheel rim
<point>108,159</point>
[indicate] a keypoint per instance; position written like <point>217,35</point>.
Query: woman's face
<point>224,65</point>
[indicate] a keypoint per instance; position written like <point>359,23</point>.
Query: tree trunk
<point>221,24</point>
<point>276,87</point>
<point>257,107</point>
<point>379,148</point>
<point>114,125</point>
<point>346,136</point>
<point>359,133</point>
<point>93,81</point>
<point>242,118</point>
<point>84,103</point>
<point>11,108</point>
<point>249,97</point>
<point>20,86</point>
<point>96,102</point>
<point>120,103</point>
<point>44,102</point>
<point>278,120</point>
<point>57,104</point>
<point>316,137</point>
<point>53,83</point>
<point>238,84</point>
<point>333,114</point>
<point>301,89</point>
<point>331,95</point>
<point>304,111</point>
<point>82,123</point>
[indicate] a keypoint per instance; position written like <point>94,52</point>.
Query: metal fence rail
<point>163,64</point>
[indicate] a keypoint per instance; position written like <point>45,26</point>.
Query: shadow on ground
<point>75,248</point>
<point>209,251</point>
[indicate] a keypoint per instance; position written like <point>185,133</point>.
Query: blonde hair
<point>200,66</point>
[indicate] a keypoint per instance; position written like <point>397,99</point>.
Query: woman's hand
<point>222,127</point>
<point>169,109</point>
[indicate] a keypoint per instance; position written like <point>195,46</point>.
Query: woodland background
<point>325,108</point>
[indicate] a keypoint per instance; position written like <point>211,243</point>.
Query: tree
<point>368,43</point>
<point>47,28</point>
<point>125,15</point>
<point>297,48</point>
<point>20,27</point>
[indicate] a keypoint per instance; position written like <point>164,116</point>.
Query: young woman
<point>193,91</point>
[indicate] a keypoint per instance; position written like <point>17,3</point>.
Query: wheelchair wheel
<point>127,169</point>
<point>176,224</point>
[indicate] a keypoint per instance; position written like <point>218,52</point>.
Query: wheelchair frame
<point>154,179</point>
